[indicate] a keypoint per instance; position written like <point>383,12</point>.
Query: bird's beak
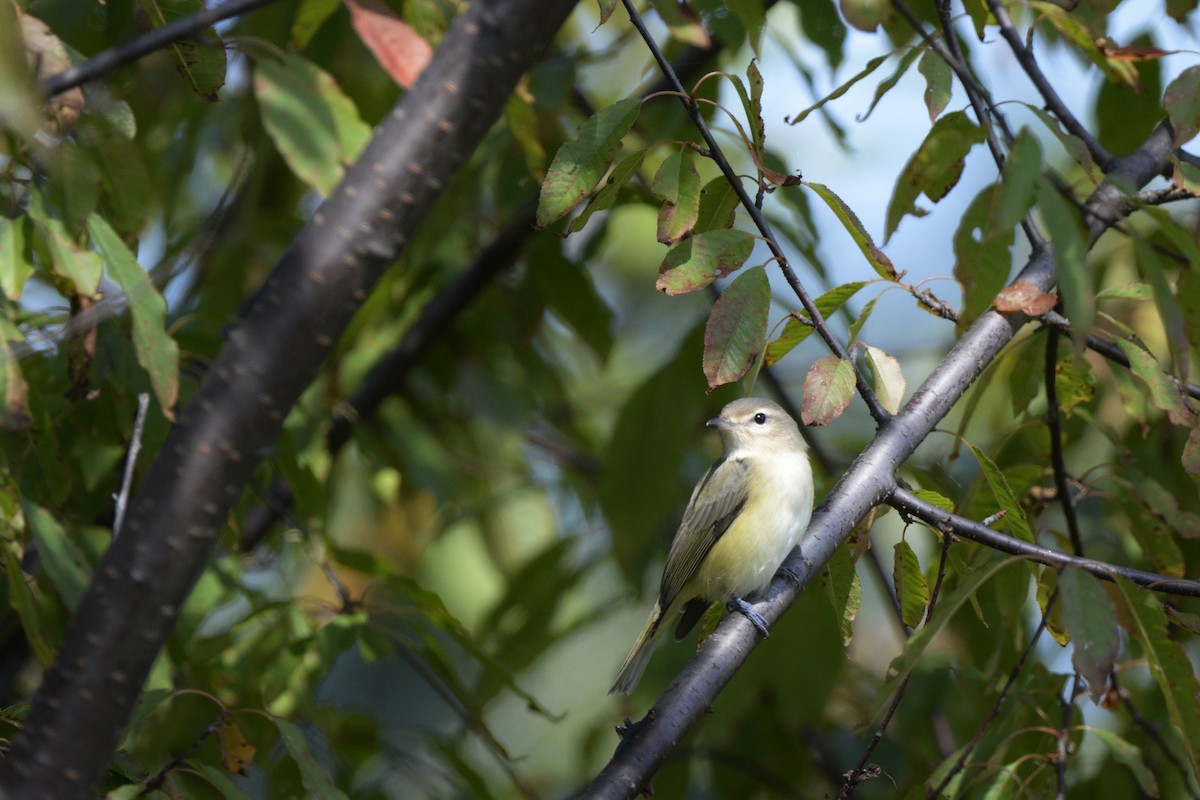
<point>720,423</point>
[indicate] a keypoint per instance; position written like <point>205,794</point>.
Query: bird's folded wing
<point>716,502</point>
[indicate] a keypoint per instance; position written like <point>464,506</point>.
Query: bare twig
<point>908,503</point>
<point>174,31</point>
<point>1057,460</point>
<point>1063,745</point>
<point>1110,350</point>
<point>135,446</point>
<point>1053,102</point>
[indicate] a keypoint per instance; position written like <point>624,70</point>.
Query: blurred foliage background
<point>439,608</point>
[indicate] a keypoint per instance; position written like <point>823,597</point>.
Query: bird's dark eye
<point>760,418</point>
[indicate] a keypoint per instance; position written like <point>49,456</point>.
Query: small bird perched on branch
<point>745,516</point>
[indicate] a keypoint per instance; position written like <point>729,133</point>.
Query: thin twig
<point>1151,730</point>
<point>713,150</point>
<point>1057,460</point>
<point>906,502</point>
<point>856,775</point>
<point>116,57</point>
<point>1063,747</point>
<point>135,446</point>
<point>1053,102</point>
<point>1111,351</point>
<point>981,101</point>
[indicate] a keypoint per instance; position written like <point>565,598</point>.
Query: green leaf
<point>938,83</point>
<point>736,333</point>
<point>677,183</point>
<point>27,601</point>
<point>522,121</point>
<point>82,268</point>
<point>316,780</point>
<point>823,27</point>
<point>1074,383</point>
<point>850,221</point>
<point>1091,619</point>
<point>1130,756</point>
<point>912,590</point>
<point>1191,455</point>
<point>857,325</point>
<point>1073,145</point>
<point>718,206</point>
<point>828,390</point>
<point>696,262</point>
<point>888,83</point>
<point>200,58</point>
<point>982,255</point>
<point>218,778</point>
<point>949,603</point>
<point>1015,515</point>
<point>65,564</point>
<point>315,126</point>
<point>1126,291</point>
<point>309,17</point>
<point>1019,180</point>
<point>939,500</point>
<point>871,66</point>
<point>156,351</point>
<point>844,591</point>
<point>605,198</point>
<point>1069,243</point>
<point>606,9</point>
<point>580,164</point>
<point>1164,392</point>
<point>935,168</point>
<point>1169,664</point>
<point>796,331</point>
<point>15,269</point>
<point>753,16</point>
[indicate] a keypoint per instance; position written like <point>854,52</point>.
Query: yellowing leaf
<point>889,379</point>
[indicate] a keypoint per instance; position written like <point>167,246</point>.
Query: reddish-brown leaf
<point>1024,296</point>
<point>396,46</point>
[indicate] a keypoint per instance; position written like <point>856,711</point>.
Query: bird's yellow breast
<point>775,516</point>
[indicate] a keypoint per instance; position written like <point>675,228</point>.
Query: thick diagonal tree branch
<point>870,480</point>
<point>267,362</point>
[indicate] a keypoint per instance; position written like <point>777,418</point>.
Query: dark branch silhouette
<point>268,360</point>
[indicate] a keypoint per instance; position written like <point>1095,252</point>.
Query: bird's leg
<point>789,575</point>
<point>738,604</point>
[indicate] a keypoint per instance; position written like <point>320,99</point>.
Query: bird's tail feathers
<point>635,663</point>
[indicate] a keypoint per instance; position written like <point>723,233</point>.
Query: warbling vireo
<point>745,516</point>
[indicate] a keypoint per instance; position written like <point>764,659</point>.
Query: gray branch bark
<point>870,480</point>
<point>269,359</point>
